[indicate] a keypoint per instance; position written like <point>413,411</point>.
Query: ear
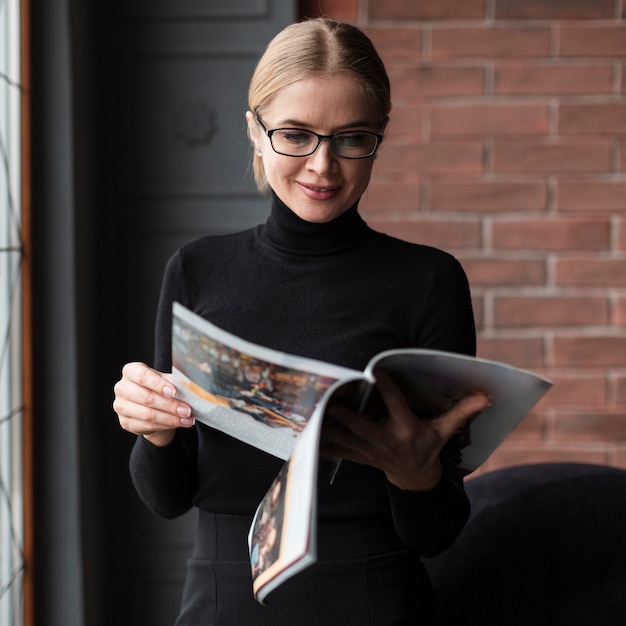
<point>253,129</point>
<point>383,126</point>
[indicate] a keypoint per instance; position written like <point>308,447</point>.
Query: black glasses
<point>297,142</point>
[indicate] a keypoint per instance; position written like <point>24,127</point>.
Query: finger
<point>397,406</point>
<point>335,450</point>
<point>449,423</point>
<point>145,385</point>
<point>133,400</point>
<point>342,423</point>
<point>128,394</point>
<point>151,417</point>
<point>145,376</point>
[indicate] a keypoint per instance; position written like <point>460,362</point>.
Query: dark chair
<point>545,544</point>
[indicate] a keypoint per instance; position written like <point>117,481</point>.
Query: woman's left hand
<point>403,446</point>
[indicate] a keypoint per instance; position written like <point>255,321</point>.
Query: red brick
<point>551,157</point>
<point>495,272</point>
<point>390,167</point>
<point>608,117</point>
<point>498,43</point>
<point>574,159</point>
<point>591,426</point>
<point>453,156</point>
<point>590,272</point>
<point>620,390</point>
<point>489,118</point>
<point>439,233</point>
<point>548,311</point>
<point>552,234</point>
<point>396,43</point>
<point>478,305</point>
<point>427,81</point>
<point>391,196</point>
<point>588,352</point>
<point>577,390</point>
<point>620,312</point>
<point>530,429</point>
<point>603,195</point>
<point>560,79</point>
<point>521,352</point>
<point>488,196</point>
<point>425,9</point>
<point>619,453</point>
<point>343,10</point>
<point>590,41</point>
<point>554,9</point>
<point>405,124</point>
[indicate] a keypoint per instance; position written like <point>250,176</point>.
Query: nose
<point>322,161</point>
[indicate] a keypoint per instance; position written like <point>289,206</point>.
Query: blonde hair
<point>317,47</point>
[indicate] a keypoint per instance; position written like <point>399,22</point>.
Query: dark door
<point>181,157</point>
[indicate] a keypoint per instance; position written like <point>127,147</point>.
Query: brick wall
<point>507,147</point>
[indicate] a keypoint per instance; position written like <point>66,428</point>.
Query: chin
<point>319,217</point>
<point>322,212</point>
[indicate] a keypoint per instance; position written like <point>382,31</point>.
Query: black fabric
<point>545,545</point>
<point>339,292</point>
<point>388,589</point>
<point>386,579</point>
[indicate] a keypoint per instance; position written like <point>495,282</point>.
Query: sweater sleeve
<point>431,521</point>
<point>447,318</point>
<point>166,477</point>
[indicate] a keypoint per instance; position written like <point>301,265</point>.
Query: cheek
<point>277,169</point>
<point>361,175</point>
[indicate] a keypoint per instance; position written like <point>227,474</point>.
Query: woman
<point>316,281</point>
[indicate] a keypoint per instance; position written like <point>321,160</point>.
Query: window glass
<point>11,523</point>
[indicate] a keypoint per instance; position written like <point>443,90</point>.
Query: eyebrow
<point>291,123</point>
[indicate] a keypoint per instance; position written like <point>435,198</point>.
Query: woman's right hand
<point>145,404</point>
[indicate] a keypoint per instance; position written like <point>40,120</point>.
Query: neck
<point>289,232</point>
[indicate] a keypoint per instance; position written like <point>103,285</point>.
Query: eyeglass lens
<point>297,142</point>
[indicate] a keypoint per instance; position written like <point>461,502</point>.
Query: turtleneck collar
<point>288,232</point>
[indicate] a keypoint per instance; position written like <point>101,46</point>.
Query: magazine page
<point>283,535</point>
<point>260,396</point>
<point>282,538</point>
<point>433,382</point>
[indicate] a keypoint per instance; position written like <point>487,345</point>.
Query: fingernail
<point>188,421</point>
<point>169,391</point>
<point>183,411</point>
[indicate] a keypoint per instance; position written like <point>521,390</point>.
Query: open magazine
<point>277,401</point>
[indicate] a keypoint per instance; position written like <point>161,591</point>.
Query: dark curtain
<point>80,483</point>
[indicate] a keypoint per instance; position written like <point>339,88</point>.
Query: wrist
<point>425,480</point>
<point>160,438</point>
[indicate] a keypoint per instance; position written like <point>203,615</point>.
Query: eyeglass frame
<point>320,138</point>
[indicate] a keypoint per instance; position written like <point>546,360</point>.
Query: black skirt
<point>363,577</point>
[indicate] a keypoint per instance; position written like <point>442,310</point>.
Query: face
<point>320,187</point>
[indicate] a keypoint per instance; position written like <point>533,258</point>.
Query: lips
<point>318,192</point>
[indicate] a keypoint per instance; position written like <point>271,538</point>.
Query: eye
<point>353,140</point>
<point>294,136</point>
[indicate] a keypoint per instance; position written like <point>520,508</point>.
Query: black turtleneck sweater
<point>339,292</point>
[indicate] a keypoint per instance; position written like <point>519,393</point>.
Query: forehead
<point>323,102</point>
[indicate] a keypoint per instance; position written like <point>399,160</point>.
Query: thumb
<point>449,423</point>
